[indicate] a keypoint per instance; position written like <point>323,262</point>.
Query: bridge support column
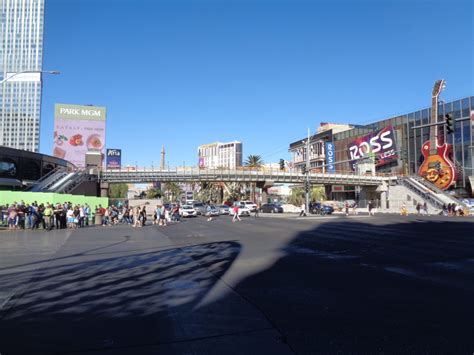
<point>264,185</point>
<point>104,189</point>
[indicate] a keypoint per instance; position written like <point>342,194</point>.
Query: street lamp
<point>53,72</point>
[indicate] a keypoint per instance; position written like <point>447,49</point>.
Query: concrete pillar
<point>383,200</point>
<point>264,185</point>
<point>104,189</point>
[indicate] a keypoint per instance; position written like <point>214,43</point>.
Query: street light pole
<point>307,173</point>
<point>54,72</point>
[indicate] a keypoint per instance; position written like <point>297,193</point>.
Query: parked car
<point>212,211</point>
<point>200,208</point>
<point>243,211</point>
<point>318,208</point>
<point>223,209</point>
<point>187,211</point>
<point>271,208</point>
<point>250,205</point>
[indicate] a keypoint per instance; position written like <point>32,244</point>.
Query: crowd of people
<point>45,215</point>
<point>452,209</point>
<point>137,216</point>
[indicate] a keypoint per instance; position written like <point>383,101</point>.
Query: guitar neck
<point>434,128</point>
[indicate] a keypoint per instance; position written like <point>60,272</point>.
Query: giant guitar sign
<point>437,166</point>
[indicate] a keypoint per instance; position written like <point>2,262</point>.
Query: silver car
<point>223,209</point>
<point>200,208</point>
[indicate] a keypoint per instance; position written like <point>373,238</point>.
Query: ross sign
<point>330,157</point>
<point>77,130</point>
<point>379,145</point>
<point>114,158</point>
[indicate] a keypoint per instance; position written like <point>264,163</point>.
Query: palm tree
<point>254,161</point>
<point>173,190</point>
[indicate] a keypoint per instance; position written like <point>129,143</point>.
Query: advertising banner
<point>330,158</point>
<point>201,162</point>
<point>77,130</point>
<point>114,158</point>
<point>379,145</point>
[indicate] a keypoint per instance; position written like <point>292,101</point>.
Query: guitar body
<point>437,168</point>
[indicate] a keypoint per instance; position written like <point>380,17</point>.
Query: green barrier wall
<point>50,197</point>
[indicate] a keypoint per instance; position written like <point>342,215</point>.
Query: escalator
<point>424,193</point>
<point>441,194</point>
<point>48,180</point>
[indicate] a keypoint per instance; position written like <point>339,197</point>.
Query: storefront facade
<point>396,143</point>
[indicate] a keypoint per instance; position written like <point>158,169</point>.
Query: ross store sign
<point>114,158</point>
<point>380,145</point>
<point>330,157</point>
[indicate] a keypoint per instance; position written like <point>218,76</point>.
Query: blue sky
<point>183,73</point>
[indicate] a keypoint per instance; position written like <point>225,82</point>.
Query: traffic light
<point>307,186</point>
<point>303,170</point>
<point>449,121</point>
<point>282,164</point>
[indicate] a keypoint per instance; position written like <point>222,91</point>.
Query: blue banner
<point>330,158</point>
<point>114,158</point>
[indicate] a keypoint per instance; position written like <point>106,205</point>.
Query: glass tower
<point>21,49</point>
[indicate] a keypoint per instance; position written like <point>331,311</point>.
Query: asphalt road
<point>359,285</point>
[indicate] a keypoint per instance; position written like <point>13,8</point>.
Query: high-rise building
<point>21,49</point>
<point>220,155</point>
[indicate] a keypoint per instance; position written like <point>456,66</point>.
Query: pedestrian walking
<point>418,208</point>
<point>445,209</point>
<point>425,209</point>
<point>303,210</point>
<point>370,207</point>
<point>236,213</point>
<point>143,216</point>
<point>403,210</point>
<point>346,206</point>
<point>136,216</point>
<point>162,220</point>
<point>354,208</point>
<point>48,217</point>
<point>257,210</point>
<point>209,213</point>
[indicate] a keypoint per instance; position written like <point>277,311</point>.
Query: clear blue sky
<point>183,73</point>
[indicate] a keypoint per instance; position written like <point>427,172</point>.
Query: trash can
<point>98,219</point>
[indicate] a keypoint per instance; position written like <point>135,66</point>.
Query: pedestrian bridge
<point>146,175</point>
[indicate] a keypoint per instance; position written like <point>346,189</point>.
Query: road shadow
<point>117,301</point>
<point>353,287</point>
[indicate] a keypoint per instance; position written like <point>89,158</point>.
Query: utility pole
<point>307,174</point>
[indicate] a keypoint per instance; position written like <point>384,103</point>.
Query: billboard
<point>330,157</point>
<point>77,130</point>
<point>380,145</point>
<point>114,158</point>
